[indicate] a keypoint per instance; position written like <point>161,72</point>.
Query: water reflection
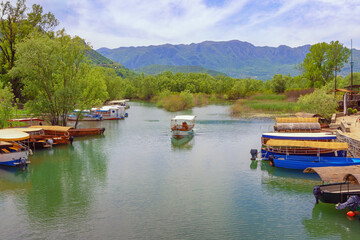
<point>183,142</point>
<point>12,179</point>
<point>286,180</point>
<point>327,222</point>
<point>64,185</point>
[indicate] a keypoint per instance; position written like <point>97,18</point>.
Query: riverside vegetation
<point>52,74</point>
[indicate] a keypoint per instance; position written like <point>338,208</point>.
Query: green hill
<point>156,69</point>
<point>234,58</point>
<point>98,59</point>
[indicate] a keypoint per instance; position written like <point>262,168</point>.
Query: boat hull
<point>86,131</point>
<point>13,158</point>
<point>303,162</point>
<point>266,153</point>
<point>338,192</point>
<point>182,133</point>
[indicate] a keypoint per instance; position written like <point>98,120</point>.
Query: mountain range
<point>234,58</point>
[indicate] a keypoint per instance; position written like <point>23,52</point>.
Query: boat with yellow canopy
<point>12,152</point>
<point>303,147</point>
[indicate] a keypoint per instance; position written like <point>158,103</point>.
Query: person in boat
<point>185,125</point>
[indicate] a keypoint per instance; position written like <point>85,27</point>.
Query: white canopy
<point>185,117</point>
<point>12,135</point>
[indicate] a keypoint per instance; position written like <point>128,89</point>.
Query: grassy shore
<point>268,104</point>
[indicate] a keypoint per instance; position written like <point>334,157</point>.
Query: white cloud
<point>119,23</point>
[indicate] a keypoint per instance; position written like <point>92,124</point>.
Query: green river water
<point>136,183</point>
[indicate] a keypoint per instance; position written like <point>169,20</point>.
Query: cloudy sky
<point>123,23</point>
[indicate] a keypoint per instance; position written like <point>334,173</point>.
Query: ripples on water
<point>136,182</point>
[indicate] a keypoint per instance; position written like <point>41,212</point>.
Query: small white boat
<point>123,102</point>
<point>182,125</point>
<point>113,112</point>
<point>13,153</point>
<point>87,115</point>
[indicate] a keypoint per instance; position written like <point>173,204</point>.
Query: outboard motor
<point>353,202</point>
<point>71,139</point>
<point>253,153</point>
<point>50,142</point>
<point>317,193</point>
<point>271,160</point>
<point>23,163</point>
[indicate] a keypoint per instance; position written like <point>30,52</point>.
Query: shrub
<point>319,102</point>
<point>355,111</point>
<point>349,111</point>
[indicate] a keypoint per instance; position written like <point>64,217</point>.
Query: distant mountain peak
<point>234,58</point>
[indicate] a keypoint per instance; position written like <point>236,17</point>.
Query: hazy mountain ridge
<point>234,58</point>
<point>156,69</point>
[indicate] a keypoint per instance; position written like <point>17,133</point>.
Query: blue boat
<point>281,148</point>
<point>303,162</point>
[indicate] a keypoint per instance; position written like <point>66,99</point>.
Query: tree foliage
<point>16,25</point>
<point>323,62</point>
<point>319,102</point>
<point>56,77</point>
<point>6,107</point>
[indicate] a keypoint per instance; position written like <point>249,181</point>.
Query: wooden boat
<point>64,133</point>
<point>59,135</point>
<point>13,153</point>
<point>182,125</point>
<point>336,192</point>
<point>303,162</point>
<point>77,132</point>
<point>86,115</point>
<point>276,147</point>
<point>267,151</point>
<point>25,122</point>
<point>37,138</point>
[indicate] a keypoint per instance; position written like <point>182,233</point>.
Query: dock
<point>348,130</point>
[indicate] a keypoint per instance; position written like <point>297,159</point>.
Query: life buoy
<point>67,134</point>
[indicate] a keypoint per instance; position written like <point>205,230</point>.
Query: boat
<point>113,112</point>
<point>12,152</point>
<point>24,122</point>
<point>298,136</point>
<point>123,102</point>
<point>336,192</point>
<point>182,125</point>
<point>59,134</point>
<point>77,132</point>
<point>267,151</point>
<point>87,115</point>
<point>64,133</point>
<point>37,138</point>
<point>276,147</point>
<point>302,162</point>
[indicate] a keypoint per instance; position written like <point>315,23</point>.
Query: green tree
<point>6,107</point>
<point>53,71</point>
<point>15,25</point>
<point>279,83</point>
<point>323,61</point>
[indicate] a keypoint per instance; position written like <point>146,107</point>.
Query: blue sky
<point>124,23</point>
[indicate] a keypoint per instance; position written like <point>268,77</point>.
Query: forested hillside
<point>156,69</point>
<point>234,58</point>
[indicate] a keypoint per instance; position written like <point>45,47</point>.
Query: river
<point>136,183</point>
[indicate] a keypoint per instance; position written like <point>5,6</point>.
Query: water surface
<point>135,182</point>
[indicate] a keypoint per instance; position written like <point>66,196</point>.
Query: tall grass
<point>273,106</point>
<point>272,97</point>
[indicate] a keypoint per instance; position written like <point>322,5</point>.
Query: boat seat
<point>5,150</point>
<point>12,149</point>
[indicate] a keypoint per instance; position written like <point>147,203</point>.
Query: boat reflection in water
<point>327,223</point>
<point>182,142</point>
